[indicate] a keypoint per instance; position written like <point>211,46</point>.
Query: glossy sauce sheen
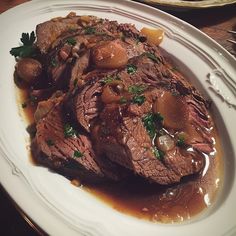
<point>166,204</point>
<point>157,203</point>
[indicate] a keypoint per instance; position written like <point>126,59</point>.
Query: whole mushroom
<point>28,69</point>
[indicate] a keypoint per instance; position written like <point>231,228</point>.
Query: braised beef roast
<point>122,108</point>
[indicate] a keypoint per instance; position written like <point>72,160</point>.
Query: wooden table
<point>215,22</point>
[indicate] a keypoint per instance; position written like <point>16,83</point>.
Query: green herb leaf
<point>27,39</point>
<point>158,153</point>
<point>77,154</point>
<point>152,121</point>
<point>131,69</point>
<point>109,79</point>
<point>49,142</point>
<point>152,57</point>
<point>123,100</point>
<point>175,93</point>
<point>138,99</point>
<point>75,82</point>
<point>137,89</point>
<point>89,30</point>
<point>180,142</point>
<point>71,41</point>
<point>27,49</point>
<point>54,62</point>
<point>69,131</point>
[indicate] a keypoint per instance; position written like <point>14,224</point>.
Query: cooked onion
<point>173,109</point>
<point>165,143</point>
<point>111,92</point>
<point>154,36</point>
<point>110,55</point>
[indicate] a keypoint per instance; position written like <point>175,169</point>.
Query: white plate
<point>49,199</point>
<point>188,4</point>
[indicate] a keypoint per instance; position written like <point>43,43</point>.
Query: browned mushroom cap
<point>28,69</point>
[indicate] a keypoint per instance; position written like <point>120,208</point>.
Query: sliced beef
<point>100,64</point>
<point>44,107</point>
<point>125,141</point>
<point>87,104</point>
<point>72,155</point>
<point>58,151</point>
<point>49,31</point>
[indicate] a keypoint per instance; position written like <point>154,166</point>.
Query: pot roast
<point>120,108</point>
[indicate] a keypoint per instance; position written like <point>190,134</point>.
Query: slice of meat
<point>45,106</point>
<point>58,152</point>
<point>72,155</point>
<point>125,141</point>
<point>87,104</point>
<point>81,64</point>
<point>49,31</point>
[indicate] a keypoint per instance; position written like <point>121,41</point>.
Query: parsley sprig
<point>27,49</point>
<point>137,89</point>
<point>69,131</point>
<point>151,122</point>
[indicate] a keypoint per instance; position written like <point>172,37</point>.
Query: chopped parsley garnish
<point>158,153</point>
<point>27,49</point>
<point>175,93</point>
<point>180,142</point>
<point>131,69</point>
<point>69,131</point>
<point>123,100</point>
<point>152,57</point>
<point>54,62</point>
<point>77,154</point>
<point>75,82</point>
<point>89,30</point>
<point>71,41</point>
<point>137,89</point>
<point>24,105</point>
<point>138,99</point>
<point>151,122</point>
<point>49,142</point>
<point>109,79</point>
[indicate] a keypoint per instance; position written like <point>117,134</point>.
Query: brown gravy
<point>166,204</point>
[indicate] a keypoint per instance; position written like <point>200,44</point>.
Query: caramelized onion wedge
<point>110,55</point>
<point>111,92</point>
<point>173,109</point>
<point>154,36</point>
<point>165,143</point>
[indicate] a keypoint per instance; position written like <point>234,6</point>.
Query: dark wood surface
<point>215,22</point>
